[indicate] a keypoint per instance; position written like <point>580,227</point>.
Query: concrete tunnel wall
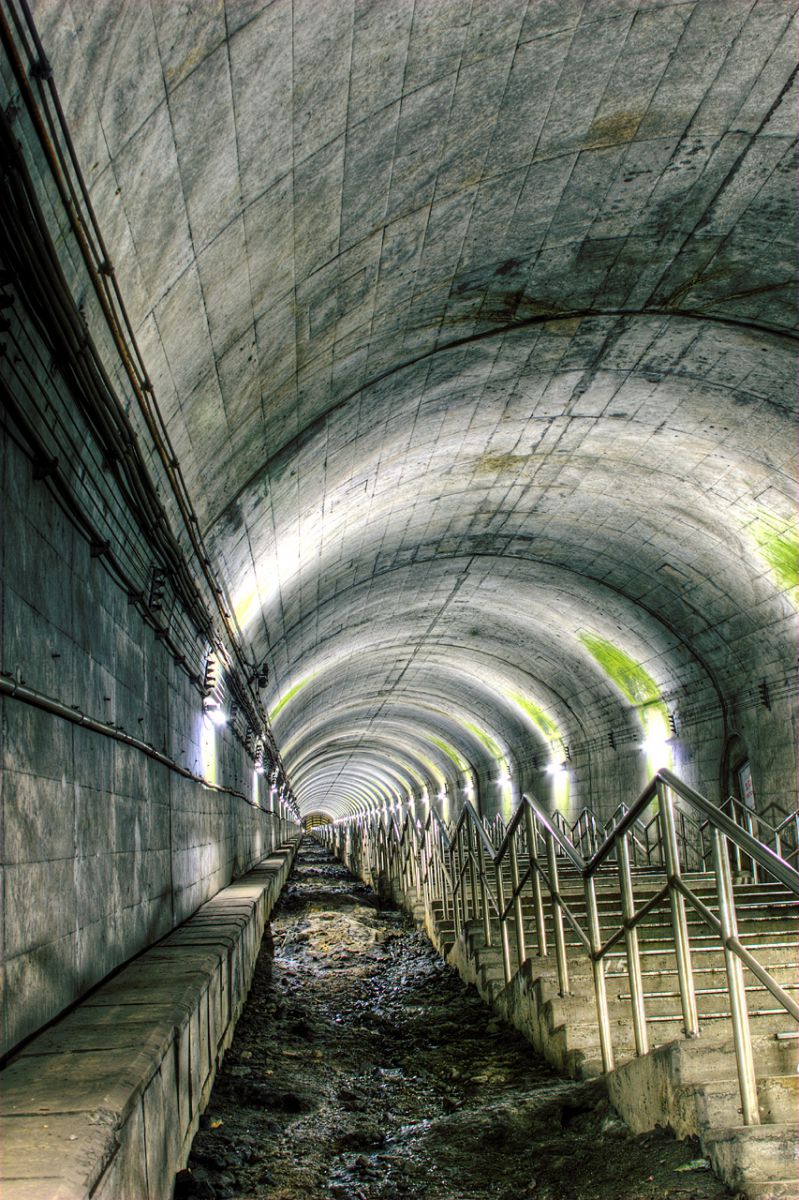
<point>480,367</point>
<point>104,849</point>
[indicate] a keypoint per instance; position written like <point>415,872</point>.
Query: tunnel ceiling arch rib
<point>473,327</point>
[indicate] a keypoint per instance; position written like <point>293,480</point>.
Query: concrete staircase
<point>688,1084</point>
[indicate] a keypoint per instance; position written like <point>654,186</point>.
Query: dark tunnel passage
<point>363,1068</point>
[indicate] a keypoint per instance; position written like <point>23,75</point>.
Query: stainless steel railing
<point>670,830</point>
<point>782,838</point>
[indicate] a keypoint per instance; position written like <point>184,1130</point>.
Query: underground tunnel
<point>399,596</point>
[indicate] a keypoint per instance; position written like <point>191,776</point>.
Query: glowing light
<point>208,749</point>
<point>657,739</point>
<point>559,772</point>
<point>214,713</point>
<point>505,785</point>
<point>658,753</point>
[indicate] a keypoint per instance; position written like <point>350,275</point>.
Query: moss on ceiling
<point>628,675</point>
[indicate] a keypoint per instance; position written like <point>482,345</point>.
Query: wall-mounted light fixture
<point>155,595</point>
<point>213,691</point>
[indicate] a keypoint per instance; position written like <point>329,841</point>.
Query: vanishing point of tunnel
<point>397,403</point>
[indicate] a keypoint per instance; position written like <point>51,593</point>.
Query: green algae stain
<point>432,770</point>
<point>537,715</point>
<point>451,753</point>
<point>778,543</point>
<point>641,690</point>
<point>629,676</point>
<point>489,743</point>
<point>290,694</point>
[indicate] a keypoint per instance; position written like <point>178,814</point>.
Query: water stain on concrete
<point>613,128</point>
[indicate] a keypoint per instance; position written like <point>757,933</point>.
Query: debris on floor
<point>363,1068</point>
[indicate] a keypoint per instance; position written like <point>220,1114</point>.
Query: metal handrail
<point>750,820</point>
<point>790,821</point>
<point>588,830</point>
<point>468,874</point>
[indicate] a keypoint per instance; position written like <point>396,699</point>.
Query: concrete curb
<point>106,1102</point>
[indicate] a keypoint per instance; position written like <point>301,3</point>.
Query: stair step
<point>779,1097</point>
<point>707,991</point>
<point>771,1189</point>
<point>718,1102</point>
<point>705,1073</point>
<point>705,971</point>
<point>754,1154</point>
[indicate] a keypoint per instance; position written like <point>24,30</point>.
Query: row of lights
<point>653,746</point>
<point>214,710</point>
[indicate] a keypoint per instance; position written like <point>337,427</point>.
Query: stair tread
<point>764,1132</point>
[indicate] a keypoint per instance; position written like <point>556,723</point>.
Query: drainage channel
<point>362,1068</point>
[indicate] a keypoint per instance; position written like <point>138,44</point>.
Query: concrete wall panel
<point>104,850</point>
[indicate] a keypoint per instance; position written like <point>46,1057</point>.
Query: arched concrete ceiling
<point>472,322</point>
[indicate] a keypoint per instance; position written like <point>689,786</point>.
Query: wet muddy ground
<point>364,1069</point>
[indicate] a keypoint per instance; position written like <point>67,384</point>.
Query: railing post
<point>757,874</point>
<point>473,841</point>
<point>503,924</point>
<point>535,880</point>
<point>456,886</point>
<point>446,885</point>
<point>631,943</point>
<point>424,870</point>
<point>598,970</point>
<point>463,871</point>
<point>484,894</point>
<point>557,918</point>
<point>400,866</point>
<point>518,916</point>
<point>413,861</point>
<point>682,845</point>
<point>682,948</point>
<point>735,982</point>
<point>441,877</point>
<point>735,814</point>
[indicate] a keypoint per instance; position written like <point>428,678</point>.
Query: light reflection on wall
<point>560,786</point>
<point>208,753</point>
<point>274,570</point>
<point>506,788</point>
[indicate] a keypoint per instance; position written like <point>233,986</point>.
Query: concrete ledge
<point>106,1102</point>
